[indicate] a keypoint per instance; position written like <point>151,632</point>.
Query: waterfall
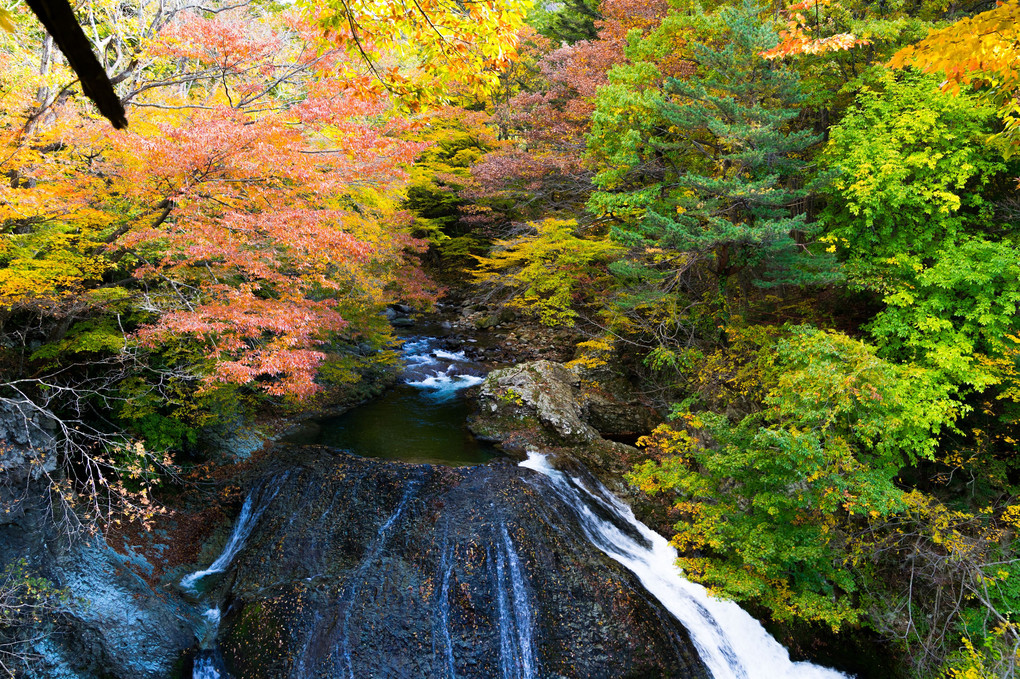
<point>207,664</point>
<point>211,628</point>
<point>516,642</point>
<point>731,643</point>
<point>252,509</point>
<point>523,616</point>
<point>204,668</point>
<point>441,614</point>
<point>358,577</point>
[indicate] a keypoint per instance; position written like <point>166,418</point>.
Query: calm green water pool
<point>421,420</point>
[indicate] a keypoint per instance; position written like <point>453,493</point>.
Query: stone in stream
<point>361,568</point>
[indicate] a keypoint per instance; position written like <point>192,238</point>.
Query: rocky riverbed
<point>341,565</point>
<point>353,554</point>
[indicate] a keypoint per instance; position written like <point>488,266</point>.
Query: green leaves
<point>912,214</point>
<point>838,388</point>
<point>767,501</point>
<point>953,310</point>
<point>706,164</point>
<point>910,164</point>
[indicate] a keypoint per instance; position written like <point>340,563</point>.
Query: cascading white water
<point>731,643</point>
<point>523,619</point>
<point>205,668</point>
<point>254,505</point>
<point>211,618</point>
<point>513,608</point>
<point>441,614</point>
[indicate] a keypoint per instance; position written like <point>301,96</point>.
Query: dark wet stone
<point>389,570</point>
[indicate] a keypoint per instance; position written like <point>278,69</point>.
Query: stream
<point>420,420</point>
<point>458,564</point>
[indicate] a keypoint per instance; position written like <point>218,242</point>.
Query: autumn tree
<point>549,271</point>
<point>247,228</point>
<point>832,43</point>
<point>542,168</point>
<point>979,52</point>
<point>769,503</point>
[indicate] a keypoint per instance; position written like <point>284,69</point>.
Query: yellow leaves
<point>593,354</point>
<point>550,270</point>
<point>971,663</point>
<point>666,440</point>
<point>6,20</point>
<point>981,51</point>
<point>439,46</point>
<point>1011,516</point>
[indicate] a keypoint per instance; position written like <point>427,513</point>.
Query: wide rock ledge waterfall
<point>340,565</point>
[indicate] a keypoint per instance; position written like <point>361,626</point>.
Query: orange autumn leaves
<point>279,232</point>
<point>251,211</point>
<point>801,34</point>
<point>982,52</point>
<point>261,247</point>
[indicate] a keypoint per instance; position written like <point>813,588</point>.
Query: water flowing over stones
<point>254,504</point>
<point>345,566</point>
<point>731,643</point>
<point>516,624</point>
<point>366,568</point>
<point>420,420</point>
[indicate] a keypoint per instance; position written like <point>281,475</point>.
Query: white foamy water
<point>438,372</point>
<point>211,622</point>
<point>251,510</point>
<point>441,615</point>
<point>516,616</point>
<point>204,668</point>
<point>450,355</point>
<point>731,643</point>
<point>446,384</point>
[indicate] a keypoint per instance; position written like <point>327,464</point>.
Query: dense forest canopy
<point>796,226</point>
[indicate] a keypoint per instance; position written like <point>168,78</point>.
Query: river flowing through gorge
<point>345,565</point>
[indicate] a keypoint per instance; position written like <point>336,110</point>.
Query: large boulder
<point>550,406</point>
<point>117,623</point>
<point>542,390</point>
<point>368,568</point>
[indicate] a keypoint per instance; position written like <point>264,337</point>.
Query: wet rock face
<point>129,628</point>
<point>27,455</point>
<point>115,624</point>
<point>369,569</point>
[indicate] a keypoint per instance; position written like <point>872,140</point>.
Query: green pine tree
<point>709,164</point>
